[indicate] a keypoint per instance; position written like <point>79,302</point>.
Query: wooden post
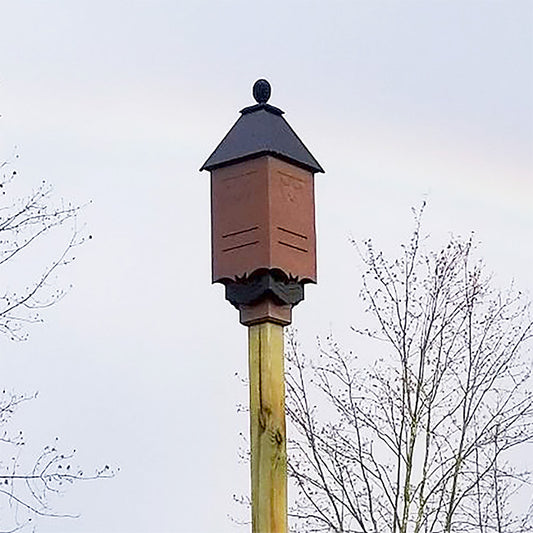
<point>267,428</point>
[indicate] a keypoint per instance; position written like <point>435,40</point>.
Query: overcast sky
<point>121,102</point>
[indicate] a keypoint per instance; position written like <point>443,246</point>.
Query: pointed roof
<point>261,130</point>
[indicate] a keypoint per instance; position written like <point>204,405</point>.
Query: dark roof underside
<point>261,132</point>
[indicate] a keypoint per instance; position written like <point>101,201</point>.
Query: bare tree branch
<point>27,492</point>
<point>422,440</point>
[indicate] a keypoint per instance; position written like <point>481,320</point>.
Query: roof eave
<point>219,164</point>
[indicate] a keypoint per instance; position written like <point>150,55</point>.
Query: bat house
<point>263,213</point>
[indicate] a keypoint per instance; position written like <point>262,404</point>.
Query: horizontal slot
<point>239,246</point>
<point>240,232</point>
<point>235,177</point>
<point>292,246</point>
<point>290,232</point>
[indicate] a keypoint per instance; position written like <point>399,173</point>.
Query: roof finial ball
<point>261,91</point>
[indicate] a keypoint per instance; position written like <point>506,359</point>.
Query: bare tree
<point>28,493</point>
<point>425,438</point>
<point>27,489</point>
<point>25,222</point>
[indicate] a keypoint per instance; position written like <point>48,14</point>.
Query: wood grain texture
<point>267,428</point>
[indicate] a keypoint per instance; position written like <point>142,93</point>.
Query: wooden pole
<point>267,428</point>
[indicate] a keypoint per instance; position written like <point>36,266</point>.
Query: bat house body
<point>263,219</point>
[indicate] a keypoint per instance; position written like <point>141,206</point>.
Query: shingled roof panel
<point>261,130</point>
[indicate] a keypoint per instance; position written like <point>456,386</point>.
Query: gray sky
<point>121,102</point>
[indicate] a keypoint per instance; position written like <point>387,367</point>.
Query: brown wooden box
<point>263,217</point>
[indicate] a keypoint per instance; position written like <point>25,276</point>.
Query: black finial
<point>261,91</point>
